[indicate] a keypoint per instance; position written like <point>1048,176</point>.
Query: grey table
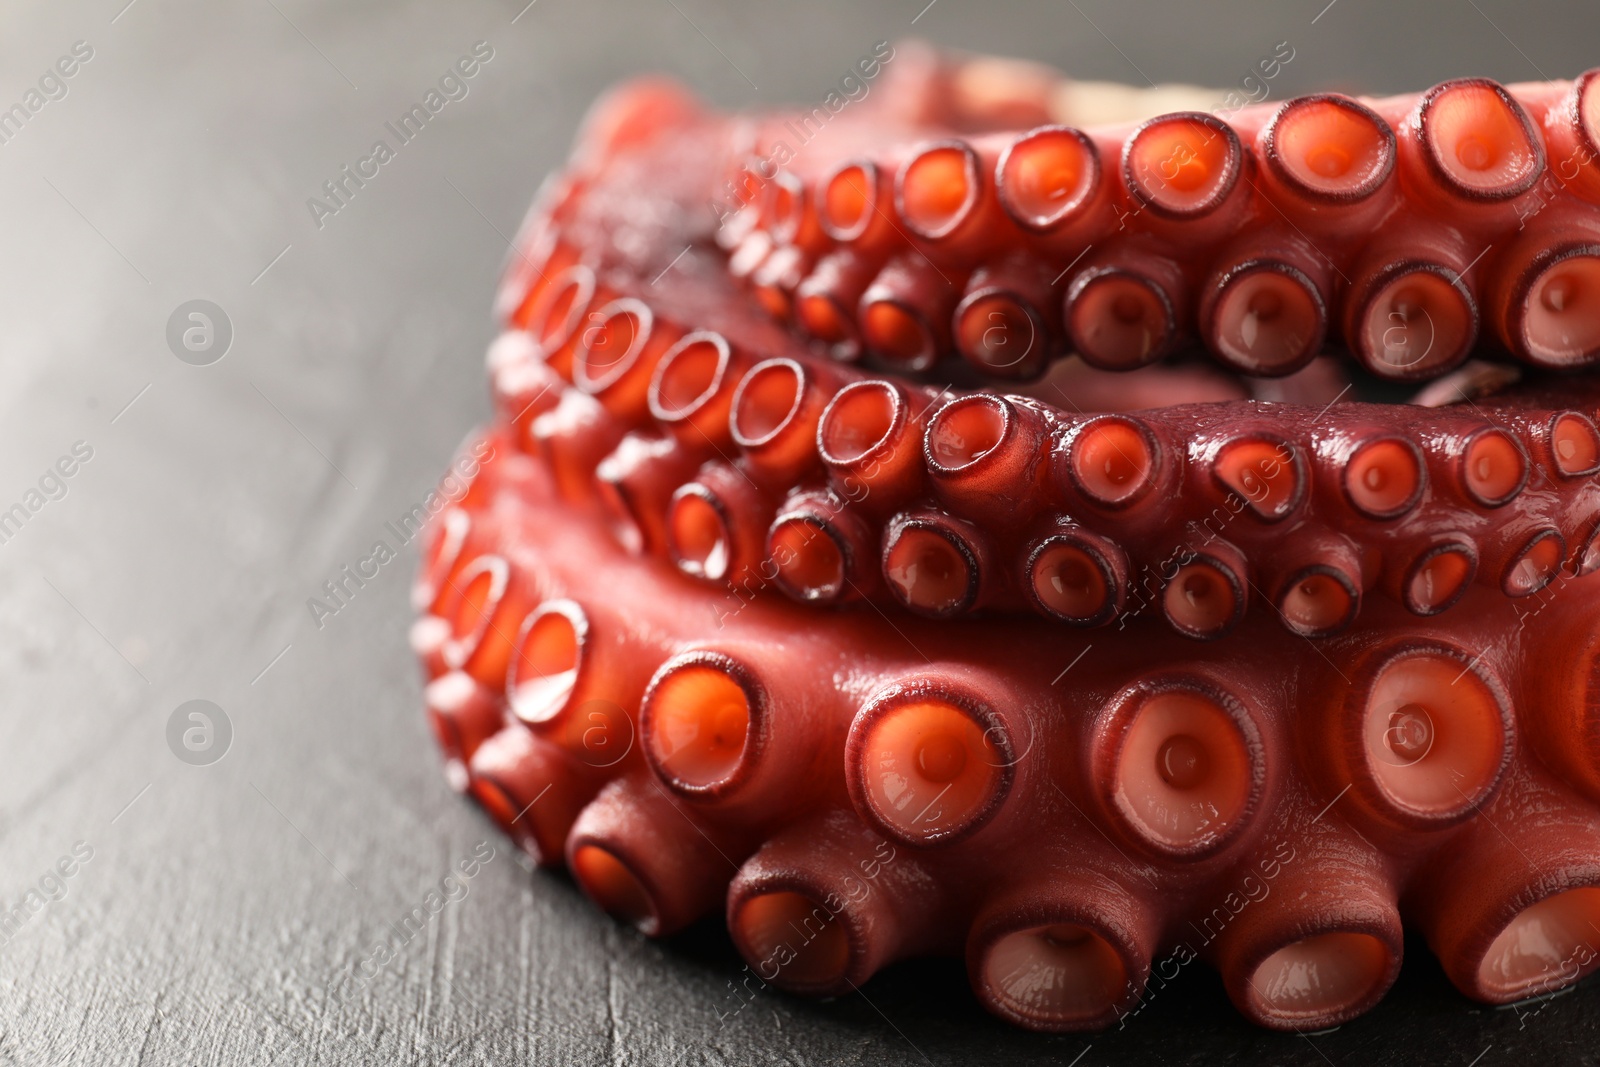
<point>219,902</point>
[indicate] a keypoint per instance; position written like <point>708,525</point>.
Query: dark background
<point>221,900</point>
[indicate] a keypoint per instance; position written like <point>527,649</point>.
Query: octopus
<point>966,522</point>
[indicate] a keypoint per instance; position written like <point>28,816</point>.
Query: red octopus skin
<point>746,610</point>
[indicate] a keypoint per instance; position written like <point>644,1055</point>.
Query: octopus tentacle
<point>890,449</point>
<point>1206,772</point>
<point>1471,158</point>
<point>744,606</point>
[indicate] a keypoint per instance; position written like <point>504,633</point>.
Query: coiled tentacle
<point>739,605</point>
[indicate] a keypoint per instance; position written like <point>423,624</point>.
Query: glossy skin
<point>1405,226</point>
<point>888,669</point>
